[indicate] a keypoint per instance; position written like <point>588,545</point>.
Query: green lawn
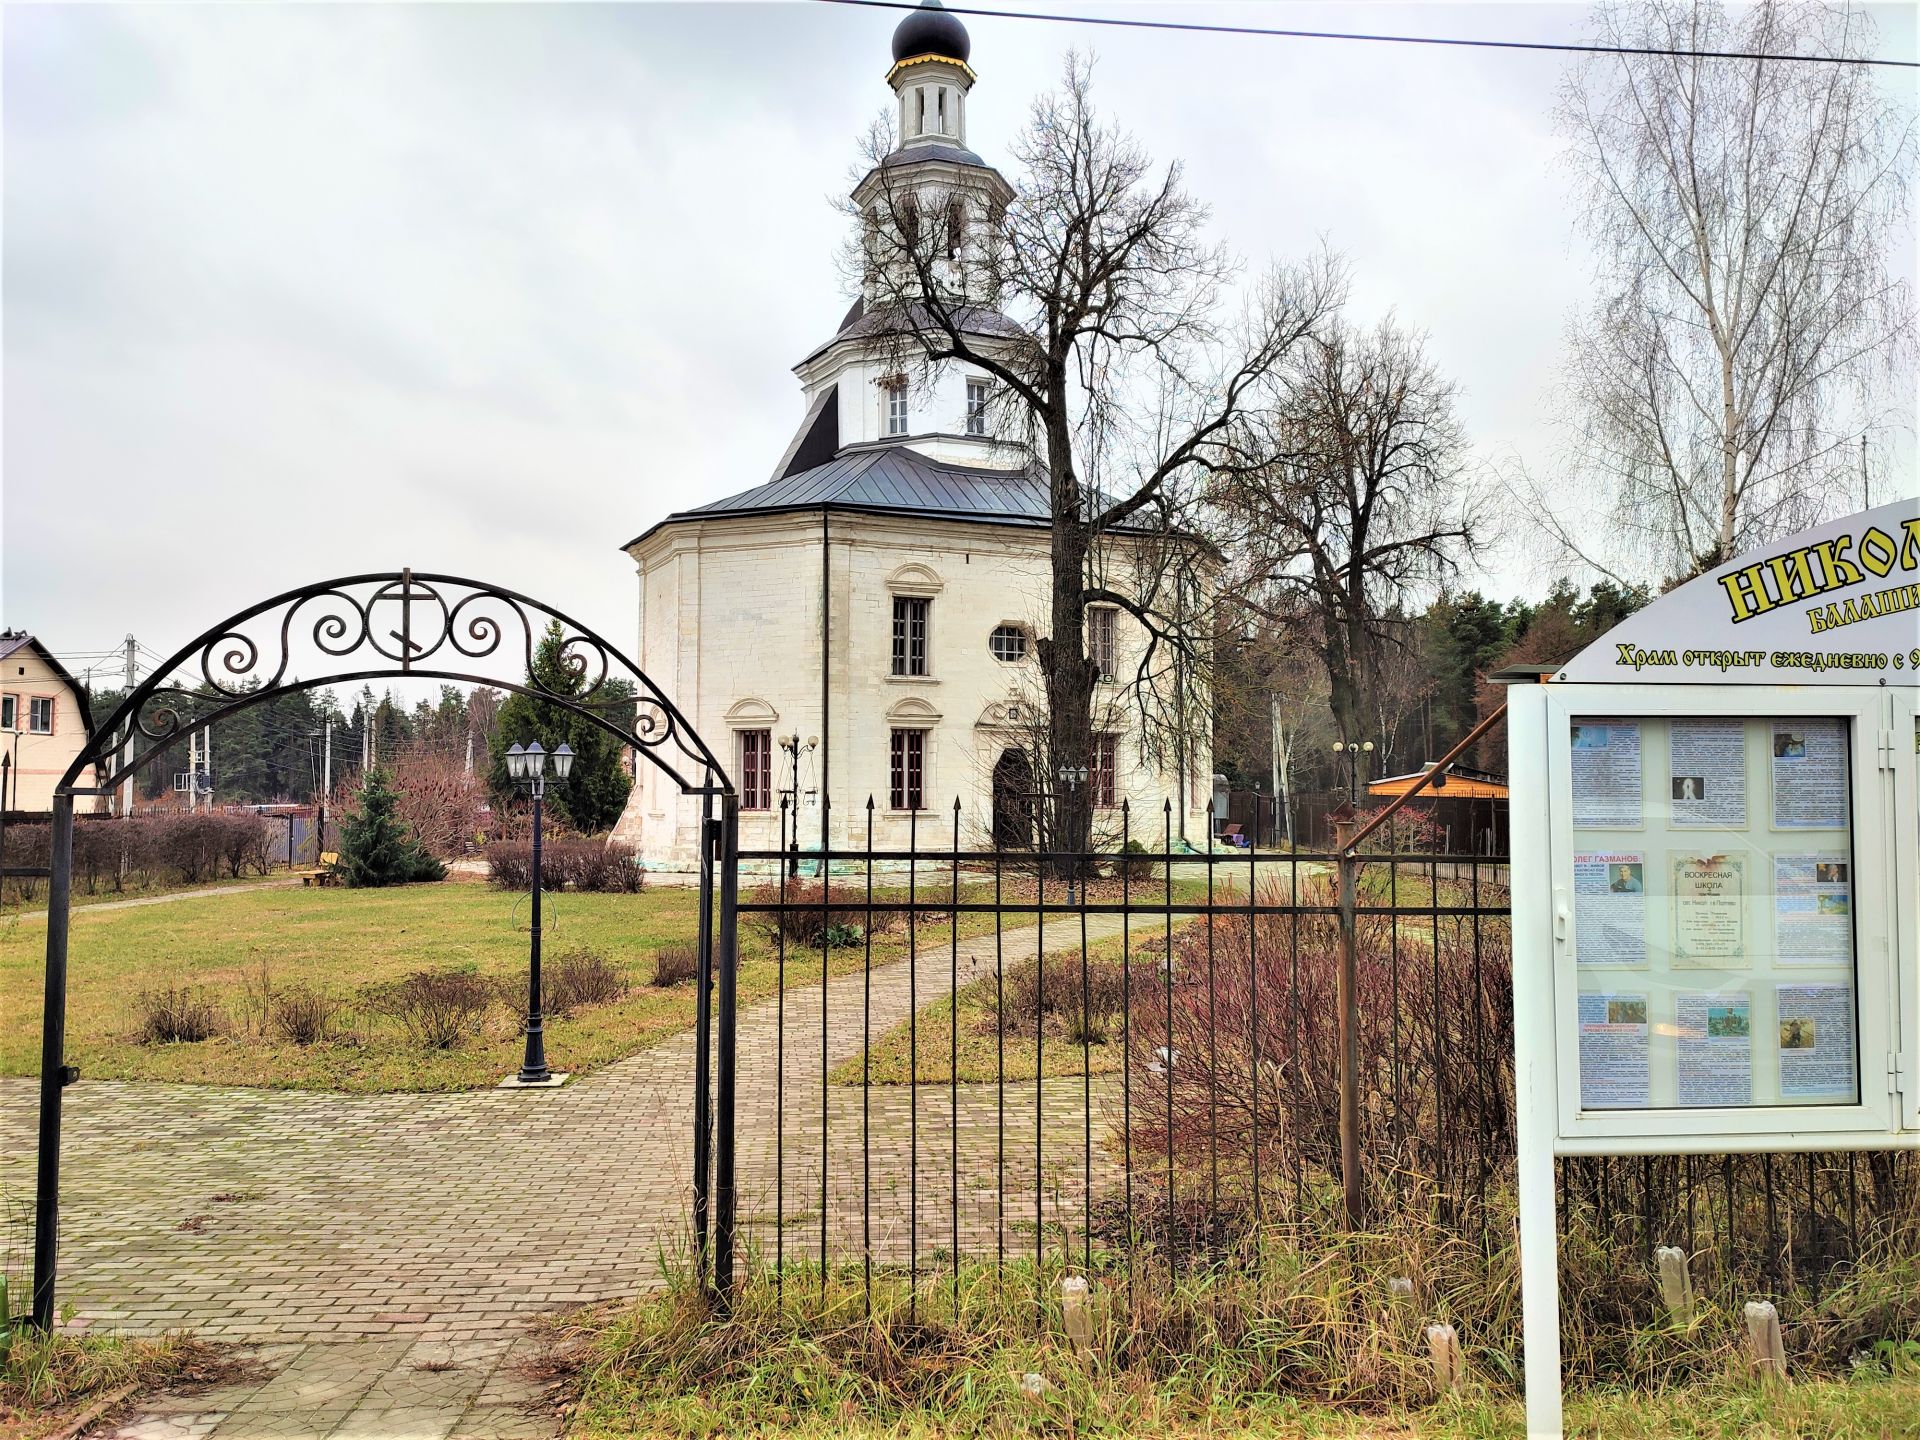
<point>340,941</point>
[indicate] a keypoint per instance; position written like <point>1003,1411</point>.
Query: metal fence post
<point>729,974</point>
<point>1346,1003</point>
<point>53,1063</point>
<point>703,1041</point>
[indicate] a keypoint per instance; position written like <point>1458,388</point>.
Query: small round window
<point>1008,643</point>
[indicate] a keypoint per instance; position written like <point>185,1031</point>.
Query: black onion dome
<point>930,30</point>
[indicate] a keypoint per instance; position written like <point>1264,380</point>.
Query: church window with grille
<point>910,616</point>
<point>1100,642</point>
<point>906,787</point>
<point>894,393</point>
<point>1106,757</point>
<point>1008,644</point>
<point>756,770</point>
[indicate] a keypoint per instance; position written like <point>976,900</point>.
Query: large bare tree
<point>1125,368</point>
<point>1364,501</point>
<point>1748,331</point>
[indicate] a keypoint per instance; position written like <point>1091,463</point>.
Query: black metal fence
<point>1107,1061</point>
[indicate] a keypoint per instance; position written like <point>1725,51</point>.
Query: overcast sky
<point>292,293</point>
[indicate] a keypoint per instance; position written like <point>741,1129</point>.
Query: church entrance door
<point>1013,800</point>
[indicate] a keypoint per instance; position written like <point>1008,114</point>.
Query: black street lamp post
<point>1072,777</point>
<point>1351,752</point>
<point>527,769</point>
<point>792,747</point>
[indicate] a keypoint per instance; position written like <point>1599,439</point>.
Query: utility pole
<point>1866,491</point>
<point>193,770</point>
<point>206,759</point>
<point>126,742</point>
<point>469,749</point>
<point>326,789</point>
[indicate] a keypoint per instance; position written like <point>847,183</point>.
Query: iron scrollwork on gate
<point>404,624</point>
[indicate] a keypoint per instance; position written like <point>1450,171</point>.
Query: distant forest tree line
<point>1429,683</point>
<point>274,752</point>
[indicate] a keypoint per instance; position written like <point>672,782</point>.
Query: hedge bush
<point>571,864</point>
<point>147,851</point>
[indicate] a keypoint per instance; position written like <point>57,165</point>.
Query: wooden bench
<point>325,874</point>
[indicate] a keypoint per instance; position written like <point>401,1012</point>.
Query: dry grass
<point>47,1383</point>
<point>1287,1337</point>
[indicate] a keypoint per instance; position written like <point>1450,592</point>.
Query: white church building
<point>862,625</point>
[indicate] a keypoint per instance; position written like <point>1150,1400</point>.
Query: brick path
<point>281,882</point>
<point>287,1218</point>
<point>360,1390</point>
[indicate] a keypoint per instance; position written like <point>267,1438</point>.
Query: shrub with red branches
<point>1241,1040</point>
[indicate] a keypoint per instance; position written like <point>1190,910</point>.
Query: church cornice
<point>930,59</point>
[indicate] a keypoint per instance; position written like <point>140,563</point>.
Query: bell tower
<point>931,77</point>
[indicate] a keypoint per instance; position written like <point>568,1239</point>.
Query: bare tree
<point>1748,332</point>
<point>1363,501</point>
<point>1091,295</point>
<point>1269,692</point>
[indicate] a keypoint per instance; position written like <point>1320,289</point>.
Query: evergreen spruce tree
<point>592,798</point>
<point>376,848</point>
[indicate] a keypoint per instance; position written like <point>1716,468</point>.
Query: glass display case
<point>1723,913</point>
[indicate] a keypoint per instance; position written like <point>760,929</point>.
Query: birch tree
<point>1748,331</point>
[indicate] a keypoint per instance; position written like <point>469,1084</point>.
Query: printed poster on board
<point>1709,910</point>
<point>1606,775</point>
<point>1707,783</point>
<point>1715,1053</point>
<point>1610,908</point>
<point>1809,763</point>
<point>1816,1042</point>
<point>1812,909</point>
<point>1613,1051</point>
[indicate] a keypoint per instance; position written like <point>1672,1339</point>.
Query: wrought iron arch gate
<point>416,626</point>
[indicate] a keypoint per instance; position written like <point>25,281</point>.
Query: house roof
<point>15,640</point>
<point>1461,783</point>
<point>861,323</point>
<point>892,480</point>
<point>932,150</point>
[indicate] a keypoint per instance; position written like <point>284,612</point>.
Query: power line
<point>1198,27</point>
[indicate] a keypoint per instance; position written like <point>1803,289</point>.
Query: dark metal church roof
<point>863,324</point>
<point>891,479</point>
<point>895,480</point>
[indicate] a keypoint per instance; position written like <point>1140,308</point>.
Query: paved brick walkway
<point>278,1216</point>
<point>384,1253</point>
<point>210,892</point>
<point>360,1390</point>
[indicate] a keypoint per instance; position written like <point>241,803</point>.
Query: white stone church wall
<point>731,629</point>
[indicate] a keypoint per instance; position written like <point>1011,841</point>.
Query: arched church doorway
<point>1013,798</point>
